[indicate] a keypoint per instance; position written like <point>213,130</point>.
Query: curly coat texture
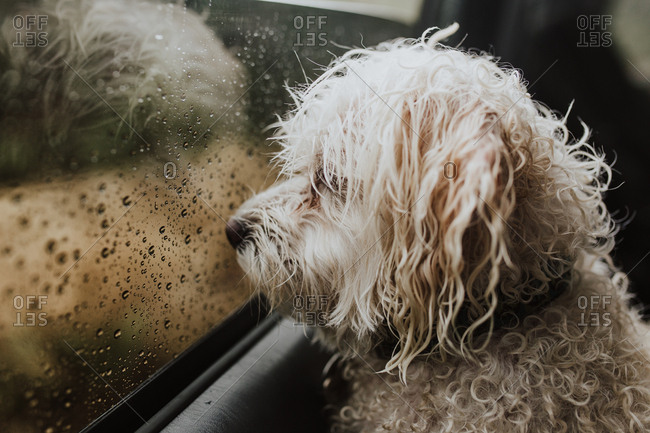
<point>424,188</point>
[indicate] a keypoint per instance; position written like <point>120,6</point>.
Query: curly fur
<point>369,216</point>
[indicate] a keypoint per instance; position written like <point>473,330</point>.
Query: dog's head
<point>424,188</point>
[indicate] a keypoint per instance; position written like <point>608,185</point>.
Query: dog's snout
<point>236,232</point>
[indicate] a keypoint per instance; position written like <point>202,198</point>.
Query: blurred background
<point>117,236</point>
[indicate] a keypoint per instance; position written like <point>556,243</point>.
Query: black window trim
<point>155,402</point>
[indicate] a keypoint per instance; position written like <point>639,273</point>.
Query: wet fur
<point>368,217</point>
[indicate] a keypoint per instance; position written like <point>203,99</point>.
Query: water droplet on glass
<point>61,258</point>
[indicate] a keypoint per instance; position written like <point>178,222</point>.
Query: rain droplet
<point>117,333</point>
<point>125,294</point>
<point>50,246</point>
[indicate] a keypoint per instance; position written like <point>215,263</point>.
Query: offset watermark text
<point>30,31</point>
<point>593,310</point>
<point>29,310</point>
<point>310,30</point>
<point>593,31</point>
<point>310,310</point>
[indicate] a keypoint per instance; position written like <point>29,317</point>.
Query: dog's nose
<point>236,232</point>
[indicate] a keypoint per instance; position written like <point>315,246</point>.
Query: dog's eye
<point>330,183</point>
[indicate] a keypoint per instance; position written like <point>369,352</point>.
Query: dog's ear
<point>447,203</point>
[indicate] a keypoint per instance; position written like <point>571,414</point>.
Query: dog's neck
<point>507,315</point>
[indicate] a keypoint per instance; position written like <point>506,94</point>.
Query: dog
<point>457,235</point>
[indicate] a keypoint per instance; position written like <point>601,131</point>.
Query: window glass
<point>131,132</point>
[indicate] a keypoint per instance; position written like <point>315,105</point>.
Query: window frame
<point>155,402</point>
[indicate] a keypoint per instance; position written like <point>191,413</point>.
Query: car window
<point>128,140</point>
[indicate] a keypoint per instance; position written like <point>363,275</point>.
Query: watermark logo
<point>169,170</point>
<point>25,317</point>
<point>29,31</point>
<point>309,30</point>
<point>309,310</point>
<point>450,170</point>
<point>593,310</point>
<point>593,31</point>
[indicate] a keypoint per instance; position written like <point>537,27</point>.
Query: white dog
<point>460,239</point>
